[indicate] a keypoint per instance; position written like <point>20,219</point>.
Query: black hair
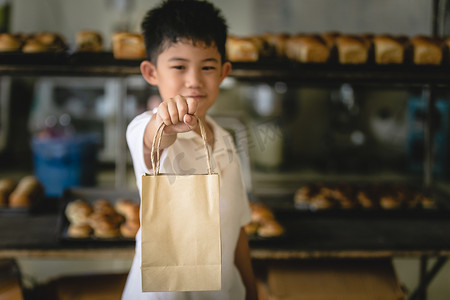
<point>175,20</point>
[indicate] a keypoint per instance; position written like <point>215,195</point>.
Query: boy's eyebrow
<point>212,59</point>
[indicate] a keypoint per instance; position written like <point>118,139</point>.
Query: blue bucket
<point>64,162</point>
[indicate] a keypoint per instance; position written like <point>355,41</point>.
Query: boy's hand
<point>177,113</point>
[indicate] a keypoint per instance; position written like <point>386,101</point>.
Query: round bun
<point>303,194</point>
<point>260,212</point>
<point>427,202</point>
<point>28,192</point>
<point>106,233</point>
<point>364,200</point>
<point>33,46</point>
<point>53,41</point>
<point>103,206</point>
<point>129,228</point>
<point>9,43</point>
<point>251,228</point>
<point>389,202</point>
<point>320,201</point>
<point>270,228</point>
<point>6,188</point>
<point>101,221</point>
<point>127,208</point>
<point>78,212</point>
<point>79,231</point>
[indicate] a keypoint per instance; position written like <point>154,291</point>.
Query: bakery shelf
<point>333,73</point>
<point>104,64</point>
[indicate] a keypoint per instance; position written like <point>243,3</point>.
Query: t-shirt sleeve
<point>135,140</point>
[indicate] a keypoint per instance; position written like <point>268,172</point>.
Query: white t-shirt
<point>186,156</point>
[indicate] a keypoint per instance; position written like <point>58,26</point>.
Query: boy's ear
<point>226,69</point>
<point>148,71</point>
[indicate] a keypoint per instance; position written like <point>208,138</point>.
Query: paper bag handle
<point>157,144</point>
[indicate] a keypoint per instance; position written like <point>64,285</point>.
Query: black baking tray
<point>90,195</point>
<point>283,206</point>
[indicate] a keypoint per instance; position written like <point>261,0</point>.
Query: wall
<point>408,17</point>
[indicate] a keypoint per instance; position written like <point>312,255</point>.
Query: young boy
<point>185,42</point>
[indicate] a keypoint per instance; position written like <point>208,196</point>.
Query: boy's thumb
<point>190,121</point>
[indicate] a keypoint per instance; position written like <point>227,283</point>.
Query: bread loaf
<point>330,38</point>
<point>242,49</point>
<point>352,49</point>
<point>388,50</point>
<point>34,46</point>
<point>53,41</point>
<point>27,193</point>
<point>9,43</point>
<point>427,51</point>
<point>89,41</point>
<point>128,45</point>
<point>307,49</point>
<point>277,41</point>
<point>6,188</point>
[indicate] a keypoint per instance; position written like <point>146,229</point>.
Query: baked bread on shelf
<point>34,46</point>
<point>330,38</point>
<point>7,186</point>
<point>101,219</point>
<point>427,51</point>
<point>79,231</point>
<point>307,49</point>
<point>29,192</point>
<point>367,197</point>
<point>127,45</point>
<point>9,43</point>
<point>89,41</point>
<point>388,50</point>
<point>129,228</point>
<point>127,208</point>
<point>263,223</point>
<point>270,228</point>
<point>352,49</point>
<point>78,212</point>
<point>277,41</point>
<point>53,41</point>
<point>239,49</point>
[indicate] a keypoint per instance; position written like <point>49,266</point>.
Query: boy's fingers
<point>182,107</point>
<point>173,112</point>
<point>163,113</point>
<point>191,106</point>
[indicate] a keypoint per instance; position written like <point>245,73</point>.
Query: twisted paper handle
<point>157,144</point>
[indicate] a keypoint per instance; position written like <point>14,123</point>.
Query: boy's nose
<point>193,79</point>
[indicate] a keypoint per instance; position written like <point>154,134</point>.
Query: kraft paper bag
<point>180,228</point>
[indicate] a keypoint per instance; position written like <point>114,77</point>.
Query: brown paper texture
<point>181,244</point>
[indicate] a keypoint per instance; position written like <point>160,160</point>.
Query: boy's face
<point>190,71</point>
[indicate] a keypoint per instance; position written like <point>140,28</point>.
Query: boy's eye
<point>207,68</point>
<point>178,67</point>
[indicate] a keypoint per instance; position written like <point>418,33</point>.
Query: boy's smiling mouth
<point>196,96</point>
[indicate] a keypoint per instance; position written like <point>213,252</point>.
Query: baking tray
<point>283,205</point>
<point>90,195</point>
